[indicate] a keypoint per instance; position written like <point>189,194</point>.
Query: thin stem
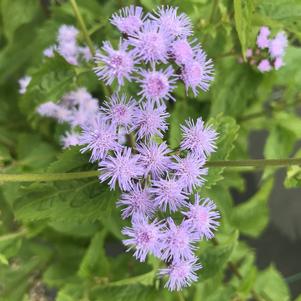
<point>50,177</point>
<point>13,235</point>
<point>82,26</point>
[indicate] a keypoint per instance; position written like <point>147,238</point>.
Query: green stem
<point>50,177</point>
<point>82,26</point>
<point>13,235</point>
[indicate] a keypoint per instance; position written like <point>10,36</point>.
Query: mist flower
<point>122,168</point>
<point>264,66</point>
<point>145,237</point>
<point>181,273</point>
<point>278,45</point>
<point>128,20</point>
<point>99,139</point>
<point>70,139</point>
<point>198,138</point>
<point>23,83</point>
<point>183,52</point>
<point>114,64</point>
<point>202,217</point>
<point>157,85</point>
<point>154,158</point>
<point>136,202</point>
<point>263,38</point>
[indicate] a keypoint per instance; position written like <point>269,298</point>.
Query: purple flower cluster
<point>269,52</point>
<point>153,179</point>
<point>163,37</point>
<point>68,47</point>
<point>77,108</point>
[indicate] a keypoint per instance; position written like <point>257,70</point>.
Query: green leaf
<point>3,259</point>
<point>94,262</point>
<point>227,130</point>
<point>85,200</point>
<point>271,285</point>
<point>252,216</point>
<point>242,16</point>
<point>214,258</point>
<point>293,175</point>
<point>16,13</point>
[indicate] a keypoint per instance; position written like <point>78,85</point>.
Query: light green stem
<point>50,177</point>
<point>82,26</point>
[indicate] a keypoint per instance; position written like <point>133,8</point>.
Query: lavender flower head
<point>99,138</point>
<point>176,25</point>
<point>70,139</point>
<point>145,237</point>
<point>119,110</point>
<point>150,120</point>
<point>181,274</point>
<point>278,45</point>
<point>154,158</point>
<point>183,52</point>
<point>128,20</point>
<point>263,38</point>
<point>177,241</point>
<point>123,168</point>
<point>264,66</point>
<point>157,85</point>
<point>115,64</point>
<point>202,217</point>
<point>168,193</point>
<point>198,138</point>
<point>136,202</point>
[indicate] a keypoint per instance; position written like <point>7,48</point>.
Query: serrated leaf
<point>252,216</point>
<point>271,285</point>
<point>85,200</point>
<point>94,263</point>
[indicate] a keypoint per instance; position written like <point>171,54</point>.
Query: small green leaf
<point>3,259</point>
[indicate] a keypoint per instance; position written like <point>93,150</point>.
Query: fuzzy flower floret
<point>119,110</point>
<point>23,84</point>
<point>181,274</point>
<point>263,38</point>
<point>198,73</point>
<point>198,138</point>
<point>145,237</point>
<point>154,158</point>
<point>99,139</point>
<point>150,120</point>
<point>114,64</point>
<point>136,202</point>
<point>157,85</point>
<point>183,52</point>
<point>168,193</point>
<point>190,171</point>
<point>123,167</point>
<point>278,45</point>
<point>202,217</point>
<point>70,139</point>
<point>151,43</point>
<point>177,241</point>
<point>128,20</point>
<point>177,25</point>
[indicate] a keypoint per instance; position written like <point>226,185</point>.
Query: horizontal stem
<point>50,177</point>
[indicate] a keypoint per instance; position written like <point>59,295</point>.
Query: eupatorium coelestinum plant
<point>125,136</point>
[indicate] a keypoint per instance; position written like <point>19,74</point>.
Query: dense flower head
<point>190,171</point>
<point>177,241</point>
<point>202,217</point>
<point>99,138</point>
<point>270,51</point>
<point>198,138</point>
<point>114,64</point>
<point>145,237</point>
<point>168,193</point>
<point>151,43</point>
<point>128,20</point>
<point>157,85</point>
<point>181,273</point>
<point>150,120</point>
<point>122,167</point>
<point>154,158</point>
<point>126,137</point>
<point>119,110</point>
<point>136,202</point>
<point>176,25</point>
<point>198,73</point>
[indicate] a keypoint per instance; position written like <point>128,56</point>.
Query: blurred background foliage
<point>61,240</point>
